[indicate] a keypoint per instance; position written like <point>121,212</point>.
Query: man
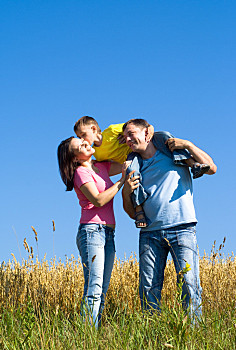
<point>170,213</point>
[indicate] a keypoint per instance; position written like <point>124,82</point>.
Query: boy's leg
<point>139,195</point>
<point>140,219</point>
<point>179,156</point>
<point>190,162</point>
<point>197,169</point>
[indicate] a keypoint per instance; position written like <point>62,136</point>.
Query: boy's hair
<point>141,123</point>
<point>86,120</point>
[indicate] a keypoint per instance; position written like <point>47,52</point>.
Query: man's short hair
<point>86,120</point>
<point>141,123</point>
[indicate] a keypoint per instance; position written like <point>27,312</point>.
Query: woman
<point>95,239</point>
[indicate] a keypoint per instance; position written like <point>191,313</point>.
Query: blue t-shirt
<point>169,186</point>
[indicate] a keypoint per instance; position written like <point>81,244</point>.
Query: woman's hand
<point>125,166</point>
<point>117,168</point>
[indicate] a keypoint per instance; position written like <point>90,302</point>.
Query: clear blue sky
<point>170,62</point>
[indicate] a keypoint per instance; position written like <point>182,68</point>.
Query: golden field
<point>58,285</point>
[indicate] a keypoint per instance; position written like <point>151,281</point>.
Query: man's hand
<point>174,143</point>
<point>130,183</point>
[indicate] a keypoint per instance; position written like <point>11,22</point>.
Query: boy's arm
<point>198,154</point>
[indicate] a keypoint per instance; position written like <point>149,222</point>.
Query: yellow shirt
<point>110,148</point>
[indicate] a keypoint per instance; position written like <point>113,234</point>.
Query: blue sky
<point>170,62</point>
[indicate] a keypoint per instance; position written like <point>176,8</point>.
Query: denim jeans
<point>138,196</point>
<point>154,247</point>
<point>97,250</point>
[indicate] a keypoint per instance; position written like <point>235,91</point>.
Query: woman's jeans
<point>97,250</point>
<point>154,247</point>
<point>178,156</point>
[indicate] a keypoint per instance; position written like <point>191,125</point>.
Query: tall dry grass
<point>58,285</point>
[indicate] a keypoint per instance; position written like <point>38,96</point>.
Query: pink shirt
<point>90,213</point>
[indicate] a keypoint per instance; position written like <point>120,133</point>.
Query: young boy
<point>110,145</point>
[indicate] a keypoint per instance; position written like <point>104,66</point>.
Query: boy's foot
<point>140,220</point>
<point>199,169</point>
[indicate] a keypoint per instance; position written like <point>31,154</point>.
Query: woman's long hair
<point>66,162</point>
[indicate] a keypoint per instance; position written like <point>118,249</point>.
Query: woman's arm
<point>117,168</point>
<point>198,154</point>
<point>90,191</point>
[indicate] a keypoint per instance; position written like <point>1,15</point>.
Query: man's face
<point>87,132</point>
<point>135,137</point>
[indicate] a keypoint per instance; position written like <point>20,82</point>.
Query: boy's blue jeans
<point>154,247</point>
<point>139,195</point>
<point>97,250</point>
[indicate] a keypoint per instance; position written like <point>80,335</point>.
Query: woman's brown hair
<point>66,162</point>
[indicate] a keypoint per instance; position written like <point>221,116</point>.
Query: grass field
<point>40,303</point>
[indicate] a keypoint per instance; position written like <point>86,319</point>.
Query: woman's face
<point>81,149</point>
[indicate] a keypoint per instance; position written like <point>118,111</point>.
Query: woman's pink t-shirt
<point>90,213</point>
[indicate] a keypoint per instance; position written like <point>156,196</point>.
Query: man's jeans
<point>154,247</point>
<point>97,250</point>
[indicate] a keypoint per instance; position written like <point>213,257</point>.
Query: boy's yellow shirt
<point>110,148</point>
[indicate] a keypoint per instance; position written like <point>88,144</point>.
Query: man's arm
<point>130,184</point>
<point>199,155</point>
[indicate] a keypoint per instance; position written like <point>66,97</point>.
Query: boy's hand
<point>121,139</point>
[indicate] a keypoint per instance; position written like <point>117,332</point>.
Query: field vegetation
<point>40,304</point>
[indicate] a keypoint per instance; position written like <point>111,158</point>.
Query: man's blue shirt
<point>169,186</point>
